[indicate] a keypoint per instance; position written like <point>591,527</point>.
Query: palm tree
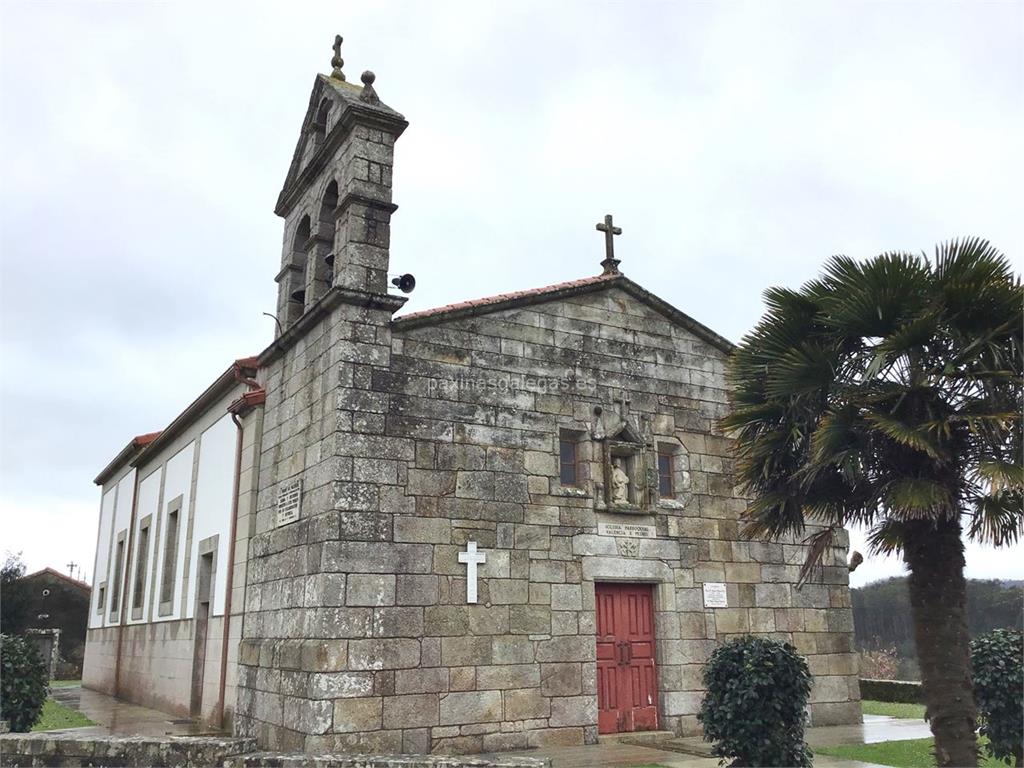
<point>888,394</point>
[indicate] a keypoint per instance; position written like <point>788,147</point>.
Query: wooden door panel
<point>626,670</point>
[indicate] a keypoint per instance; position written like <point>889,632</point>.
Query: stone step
<point>688,745</point>
<point>636,738</point>
<point>300,760</point>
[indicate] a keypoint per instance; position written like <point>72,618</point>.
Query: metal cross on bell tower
<point>610,263</point>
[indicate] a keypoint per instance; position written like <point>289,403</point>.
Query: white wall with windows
<point>177,500</point>
<point>143,543</point>
<point>117,558</point>
<point>101,588</point>
<point>215,482</point>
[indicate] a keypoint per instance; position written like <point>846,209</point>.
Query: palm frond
<point>997,518</point>
<point>902,433</point>
<point>887,537</point>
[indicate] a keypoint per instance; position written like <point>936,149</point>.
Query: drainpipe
<point>225,644</point>
<point>123,597</point>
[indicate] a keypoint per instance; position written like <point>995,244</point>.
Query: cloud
<point>738,146</point>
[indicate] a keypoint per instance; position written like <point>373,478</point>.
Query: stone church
<point>498,524</point>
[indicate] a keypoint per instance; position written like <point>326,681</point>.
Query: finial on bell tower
<point>336,61</point>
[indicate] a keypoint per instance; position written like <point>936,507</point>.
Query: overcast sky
<point>738,145</point>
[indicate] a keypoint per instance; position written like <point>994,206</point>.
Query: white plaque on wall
<point>289,501</point>
<point>627,530</point>
<point>715,595</point>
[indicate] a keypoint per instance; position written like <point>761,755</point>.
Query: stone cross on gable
<point>610,263</point>
<point>336,61</point>
<point>472,559</point>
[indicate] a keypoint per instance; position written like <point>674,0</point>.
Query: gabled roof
<point>503,301</point>
<point>129,452</point>
<point>346,98</point>
<point>53,572</point>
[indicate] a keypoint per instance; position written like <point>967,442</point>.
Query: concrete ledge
<point>298,760</point>
<point>902,691</point>
<point>66,749</point>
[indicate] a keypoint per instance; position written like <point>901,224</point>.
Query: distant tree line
<point>883,621</point>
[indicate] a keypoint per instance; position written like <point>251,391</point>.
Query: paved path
<point>120,718</point>
<point>875,728</point>
<point>114,717</point>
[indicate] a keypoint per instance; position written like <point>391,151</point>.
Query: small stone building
<point>504,523</point>
<point>56,613</point>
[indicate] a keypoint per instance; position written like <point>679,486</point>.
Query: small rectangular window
<point>665,466</point>
<point>170,556</point>
<point>568,460</point>
<point>141,560</point>
<point>115,595</point>
<point>101,597</point>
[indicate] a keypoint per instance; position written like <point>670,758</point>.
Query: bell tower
<point>336,198</point>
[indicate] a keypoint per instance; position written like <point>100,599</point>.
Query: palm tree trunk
<point>938,592</point>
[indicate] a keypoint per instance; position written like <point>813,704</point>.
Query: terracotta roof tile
<point>503,297</point>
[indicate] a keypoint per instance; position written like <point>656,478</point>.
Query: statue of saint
<point>620,483</point>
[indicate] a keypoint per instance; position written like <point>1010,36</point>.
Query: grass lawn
<point>64,683</point>
<point>915,753</point>
<point>892,709</point>
<point>57,716</point>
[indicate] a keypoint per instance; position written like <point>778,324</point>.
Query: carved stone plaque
<point>627,530</point>
<point>628,547</point>
<point>715,595</point>
<point>289,502</point>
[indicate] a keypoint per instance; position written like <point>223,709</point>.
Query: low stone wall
<point>279,760</point>
<point>64,749</point>
<point>902,691</point>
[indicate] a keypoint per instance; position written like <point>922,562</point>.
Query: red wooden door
<point>627,693</point>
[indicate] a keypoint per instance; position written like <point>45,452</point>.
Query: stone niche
<point>627,463</point>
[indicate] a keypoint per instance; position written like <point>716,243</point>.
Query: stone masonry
<point>413,436</point>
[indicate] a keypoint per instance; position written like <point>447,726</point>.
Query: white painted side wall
<point>214,489</point>
<point>148,504</point>
<point>177,482</point>
<point>102,565</point>
<point>122,519</point>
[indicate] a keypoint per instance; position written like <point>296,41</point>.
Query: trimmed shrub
<point>998,662</point>
<point>755,707</point>
<point>905,691</point>
<point>24,683</point>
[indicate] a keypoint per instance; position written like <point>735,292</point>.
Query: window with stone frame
<point>115,595</point>
<point>170,560</point>
<point>101,597</point>
<point>141,563</point>
<point>673,472</point>
<point>569,474</point>
<point>666,471</point>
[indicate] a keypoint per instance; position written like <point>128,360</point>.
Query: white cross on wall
<point>472,559</point>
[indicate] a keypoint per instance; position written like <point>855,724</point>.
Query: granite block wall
<point>412,439</point>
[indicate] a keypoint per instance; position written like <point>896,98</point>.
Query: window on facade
<point>142,560</point>
<point>665,469</point>
<point>101,598</point>
<point>115,595</point>
<point>170,556</point>
<point>568,459</point>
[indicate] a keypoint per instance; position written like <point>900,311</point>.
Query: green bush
<point>24,683</point>
<point>754,709</point>
<point>998,662</point>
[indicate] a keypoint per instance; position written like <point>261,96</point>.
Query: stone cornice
<point>335,296</point>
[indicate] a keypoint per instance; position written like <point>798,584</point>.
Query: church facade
<point>505,523</point>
